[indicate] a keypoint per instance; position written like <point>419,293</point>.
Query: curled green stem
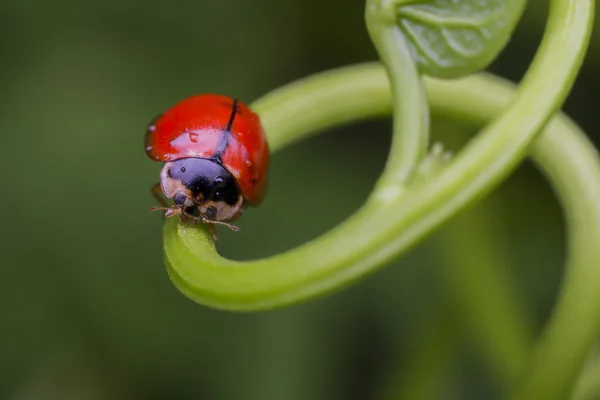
<point>409,103</point>
<point>380,230</point>
<point>572,165</point>
<point>388,225</point>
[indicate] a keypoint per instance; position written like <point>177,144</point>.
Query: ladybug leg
<point>213,231</point>
<point>170,211</point>
<point>158,195</point>
<point>211,224</point>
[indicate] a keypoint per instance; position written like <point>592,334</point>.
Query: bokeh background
<point>86,308</point>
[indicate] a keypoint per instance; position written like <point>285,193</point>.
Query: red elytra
<point>209,125</point>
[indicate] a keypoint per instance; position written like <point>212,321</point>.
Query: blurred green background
<point>86,307</point>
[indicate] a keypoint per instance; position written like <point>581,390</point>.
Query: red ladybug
<point>216,158</point>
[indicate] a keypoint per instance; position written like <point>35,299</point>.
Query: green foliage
<point>449,39</point>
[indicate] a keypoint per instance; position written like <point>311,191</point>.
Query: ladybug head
<point>201,185</point>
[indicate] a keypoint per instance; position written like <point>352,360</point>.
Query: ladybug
<point>215,156</point>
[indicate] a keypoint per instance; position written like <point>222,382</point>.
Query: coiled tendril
<point>446,39</point>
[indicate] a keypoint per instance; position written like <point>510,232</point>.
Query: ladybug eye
<point>211,212</point>
<point>180,199</point>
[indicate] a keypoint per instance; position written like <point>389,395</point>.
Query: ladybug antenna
<point>213,222</point>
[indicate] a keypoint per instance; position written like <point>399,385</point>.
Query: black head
<point>204,177</point>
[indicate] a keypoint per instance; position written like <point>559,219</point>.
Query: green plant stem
<point>410,110</point>
<point>572,165</point>
<point>565,155</point>
<point>377,232</point>
<point>382,230</point>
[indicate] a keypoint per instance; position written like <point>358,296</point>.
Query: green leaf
<point>454,38</point>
